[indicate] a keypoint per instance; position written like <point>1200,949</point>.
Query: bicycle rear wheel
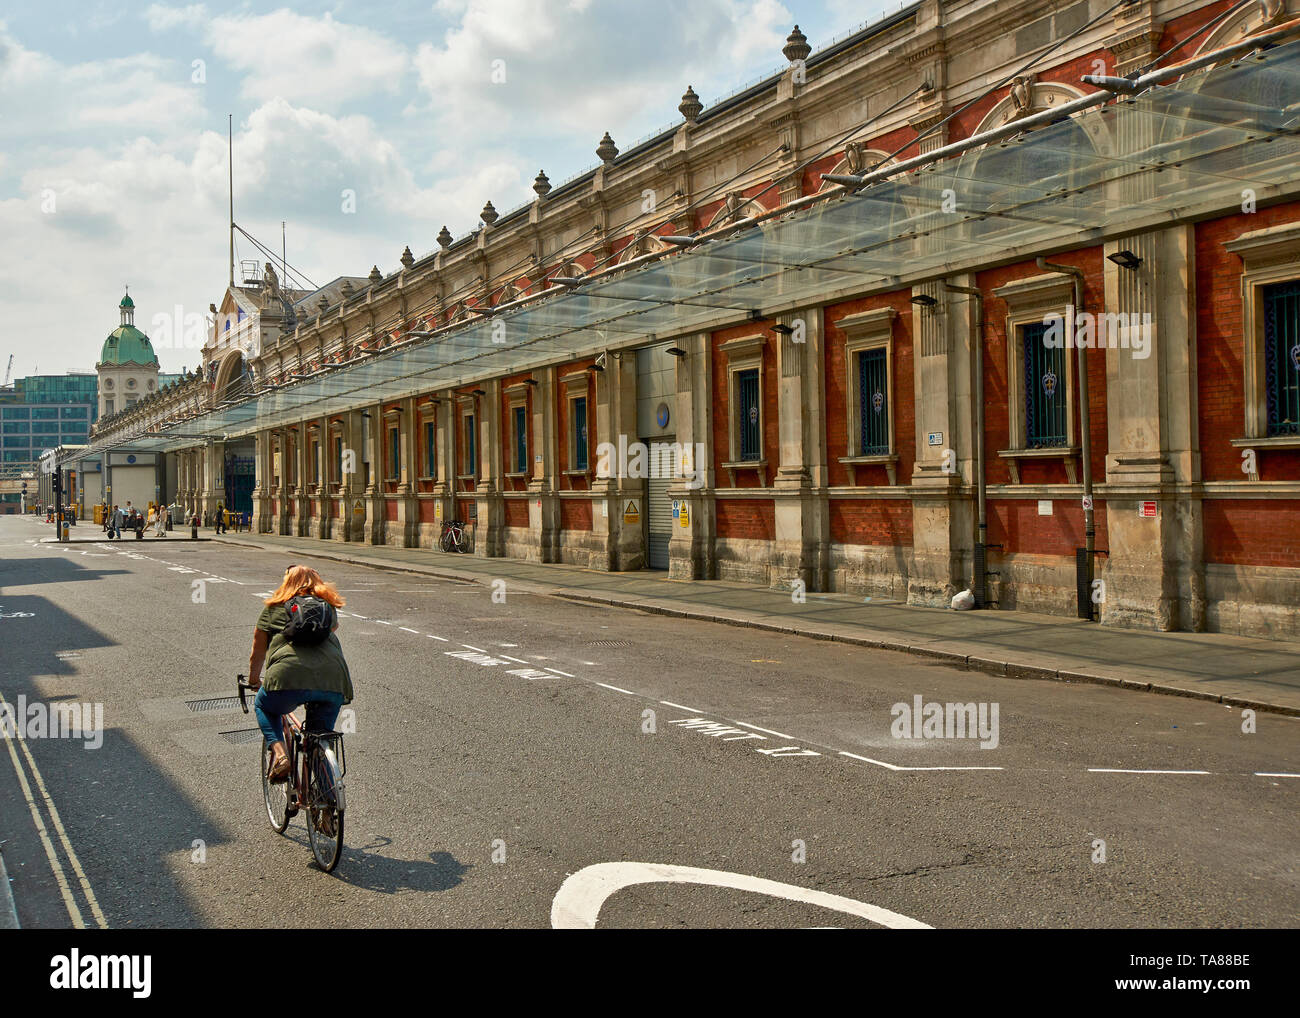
<point>276,794</point>
<point>325,807</point>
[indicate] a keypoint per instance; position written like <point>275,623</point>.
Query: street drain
<point>242,736</point>
<point>611,644</point>
<point>212,703</point>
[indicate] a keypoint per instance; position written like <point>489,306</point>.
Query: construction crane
<point>9,370</point>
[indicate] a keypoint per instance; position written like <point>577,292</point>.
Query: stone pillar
<point>263,482</point>
<point>285,490</point>
<point>621,546</point>
<point>543,499</point>
<point>692,550</point>
<point>408,508</point>
<point>489,527</point>
<point>1154,576</point>
<point>801,550</point>
<point>444,486</point>
<point>215,477</point>
<point>350,523</point>
<point>943,478</point>
<point>376,523</point>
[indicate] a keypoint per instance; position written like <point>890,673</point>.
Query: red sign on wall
<point>1147,510</point>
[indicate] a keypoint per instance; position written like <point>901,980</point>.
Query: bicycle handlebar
<point>241,685</point>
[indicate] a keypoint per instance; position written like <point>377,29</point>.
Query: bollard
<point>63,531</point>
<point>194,528</point>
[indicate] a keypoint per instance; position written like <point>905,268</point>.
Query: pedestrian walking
<point>221,518</point>
<point>160,522</point>
<point>115,520</point>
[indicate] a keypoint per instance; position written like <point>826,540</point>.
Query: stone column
<point>489,528</point>
<point>408,508</point>
<point>543,500</point>
<point>302,489</point>
<point>620,546</point>
<point>376,522</point>
<point>444,485</point>
<point>263,486</point>
<point>801,550</point>
<point>692,550</point>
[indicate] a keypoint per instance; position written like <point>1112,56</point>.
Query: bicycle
<point>317,765</point>
<point>454,537</point>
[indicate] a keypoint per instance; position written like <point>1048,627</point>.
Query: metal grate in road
<point>611,644</point>
<point>212,703</point>
<point>242,736</point>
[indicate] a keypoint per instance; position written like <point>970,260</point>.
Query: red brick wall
<point>996,421</point>
<point>871,521</point>
<point>1252,532</point>
<point>390,510</point>
<point>428,510</point>
<point>722,413</point>
<point>516,513</point>
<point>812,180</point>
<point>1016,525</point>
<point>753,519</point>
<point>575,514</point>
<point>839,379</point>
<point>1220,349</point>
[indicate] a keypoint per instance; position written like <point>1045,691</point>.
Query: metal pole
<point>230,166</point>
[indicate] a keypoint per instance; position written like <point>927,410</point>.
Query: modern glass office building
<point>42,412</point>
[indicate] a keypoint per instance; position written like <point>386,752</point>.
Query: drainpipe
<point>1083,569</point>
<point>979,585</point>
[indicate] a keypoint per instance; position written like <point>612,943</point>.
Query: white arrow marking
<point>578,902</point>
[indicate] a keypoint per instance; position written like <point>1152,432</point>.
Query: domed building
<point>128,367</point>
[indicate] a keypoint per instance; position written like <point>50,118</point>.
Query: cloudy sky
<point>113,134</point>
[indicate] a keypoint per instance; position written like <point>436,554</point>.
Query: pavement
<point>1236,671</point>
<point>515,760</point>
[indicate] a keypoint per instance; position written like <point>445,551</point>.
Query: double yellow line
<point>51,853</point>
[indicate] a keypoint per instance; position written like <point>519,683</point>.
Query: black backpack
<point>311,620</point>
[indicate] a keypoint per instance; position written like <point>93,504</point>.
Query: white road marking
<point>1270,774</point>
<point>442,638</point>
<point>617,690</point>
<point>578,902</point>
<point>383,623</point>
<point>769,731</point>
<point>517,660</point>
<point>897,767</point>
<point>558,672</point>
<point>1119,770</point>
<point>479,649</point>
<point>406,630</point>
<point>73,911</point>
<point>680,707</point>
<point>361,617</point>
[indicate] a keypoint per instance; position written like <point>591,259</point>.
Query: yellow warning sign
<point>358,509</point>
<point>683,515</point>
<point>631,512</point>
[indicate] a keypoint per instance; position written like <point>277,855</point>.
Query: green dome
<point>127,302</point>
<point>127,345</point>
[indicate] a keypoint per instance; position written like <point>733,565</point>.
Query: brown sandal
<point>279,769</point>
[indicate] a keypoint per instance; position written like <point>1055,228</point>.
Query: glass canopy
<point>1175,151</point>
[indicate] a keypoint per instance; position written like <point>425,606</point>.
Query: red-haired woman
<point>296,673</point>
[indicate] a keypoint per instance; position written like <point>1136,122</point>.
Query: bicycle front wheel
<point>326,806</point>
<point>276,794</point>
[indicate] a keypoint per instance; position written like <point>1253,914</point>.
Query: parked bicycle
<point>317,765</point>
<point>454,536</point>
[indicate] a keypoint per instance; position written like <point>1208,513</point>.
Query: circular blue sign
<point>130,459</point>
<point>661,415</point>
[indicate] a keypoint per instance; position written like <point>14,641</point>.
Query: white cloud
<point>318,61</point>
<point>162,18</point>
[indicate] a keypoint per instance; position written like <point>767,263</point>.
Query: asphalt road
<point>503,746</point>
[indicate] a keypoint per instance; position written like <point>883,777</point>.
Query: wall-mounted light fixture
<point>676,351</point>
<point>531,381</point>
<point>479,392</point>
<point>1125,260</point>
<point>784,330</point>
<point>923,300</point>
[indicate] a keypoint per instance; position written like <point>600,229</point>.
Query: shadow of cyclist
<point>362,867</point>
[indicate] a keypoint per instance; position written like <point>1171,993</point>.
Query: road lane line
<point>691,709</point>
<point>867,759</point>
<point>558,672</point>
<point>405,630</point>
<point>442,638</point>
<point>1120,770</point>
<point>779,735</point>
<point>616,689</point>
<point>383,623</point>
<point>900,767</point>
<point>1273,774</point>
<point>517,660</point>
<point>63,837</point>
<point>74,913</point>
<point>479,649</point>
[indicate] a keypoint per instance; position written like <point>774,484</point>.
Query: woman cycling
<point>296,673</point>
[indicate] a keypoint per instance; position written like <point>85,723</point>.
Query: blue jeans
<point>271,707</point>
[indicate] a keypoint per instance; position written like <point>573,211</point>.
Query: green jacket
<point>296,666</point>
